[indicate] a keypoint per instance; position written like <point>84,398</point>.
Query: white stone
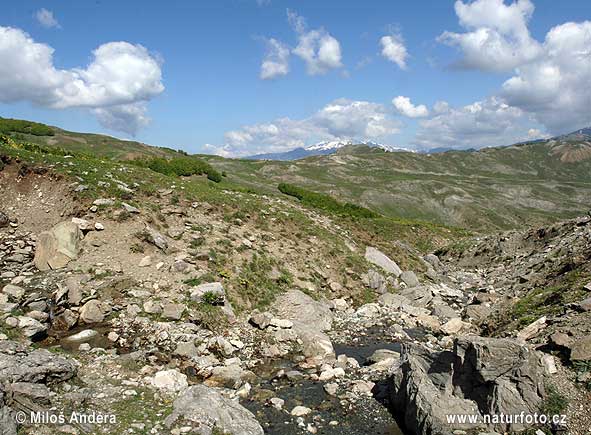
<point>170,380</point>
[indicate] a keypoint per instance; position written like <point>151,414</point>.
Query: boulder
<point>18,363</point>
<point>170,380</point>
<point>93,311</point>
<point>57,247</point>
<point>409,278</point>
<point>433,260</point>
<point>581,350</point>
<point>378,258</point>
<point>32,328</point>
<point>479,376</point>
<point>455,326</point>
<point>585,305</point>
<point>301,309</point>
<point>211,412</point>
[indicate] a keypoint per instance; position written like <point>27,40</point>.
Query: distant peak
<point>340,143</point>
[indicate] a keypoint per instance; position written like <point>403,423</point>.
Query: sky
<point>241,77</point>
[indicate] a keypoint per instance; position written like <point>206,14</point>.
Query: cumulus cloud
<point>405,107</point>
<point>497,37</point>
<point>341,119</point>
<point>276,61</point>
<point>550,79</point>
<point>46,19</point>
<point>320,50</point>
<point>116,85</point>
<point>555,88</point>
<point>489,122</point>
<point>394,50</point>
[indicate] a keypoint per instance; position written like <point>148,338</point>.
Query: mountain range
<point>322,148</point>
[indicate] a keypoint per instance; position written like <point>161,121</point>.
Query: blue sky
<point>499,76</point>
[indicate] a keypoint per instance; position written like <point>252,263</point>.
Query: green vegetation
<point>543,301</point>
<point>8,126</point>
<point>492,189</point>
<point>181,167</point>
<point>325,202</point>
<point>255,287</point>
<point>555,403</point>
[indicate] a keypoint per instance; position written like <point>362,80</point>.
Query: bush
<point>181,167</point>
<point>326,202</point>
<point>25,127</point>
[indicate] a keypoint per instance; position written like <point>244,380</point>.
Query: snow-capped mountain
<point>323,148</point>
<point>340,143</point>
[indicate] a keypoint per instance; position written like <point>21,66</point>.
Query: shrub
<point>181,167</point>
<point>25,127</point>
<point>326,202</point>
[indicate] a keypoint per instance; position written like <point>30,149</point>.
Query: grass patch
<point>326,202</point>
<point>255,286</point>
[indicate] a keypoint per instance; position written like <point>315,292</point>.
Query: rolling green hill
<point>494,188</point>
<point>97,144</point>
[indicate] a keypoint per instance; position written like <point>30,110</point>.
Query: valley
<point>372,292</point>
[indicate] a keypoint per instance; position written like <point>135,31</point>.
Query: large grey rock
<point>208,410</point>
<point>19,364</point>
<point>31,328</point>
<point>409,278</point>
<point>380,259</point>
<point>480,376</point>
<point>93,311</point>
<point>310,320</point>
<point>418,296</point>
<point>303,310</point>
<point>58,246</point>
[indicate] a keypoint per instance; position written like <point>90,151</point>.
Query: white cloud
<point>405,107</point>
<point>489,122</point>
<point>128,118</point>
<point>320,50</point>
<point>118,82</point>
<point>276,61</point>
<point>46,19</point>
<point>497,38</point>
<point>394,50</point>
<point>550,79</point>
<point>556,88</point>
<point>340,119</point>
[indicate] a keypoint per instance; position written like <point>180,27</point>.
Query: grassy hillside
<point>494,188</point>
<point>97,144</point>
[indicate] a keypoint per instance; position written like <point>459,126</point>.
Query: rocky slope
<point>195,309</point>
